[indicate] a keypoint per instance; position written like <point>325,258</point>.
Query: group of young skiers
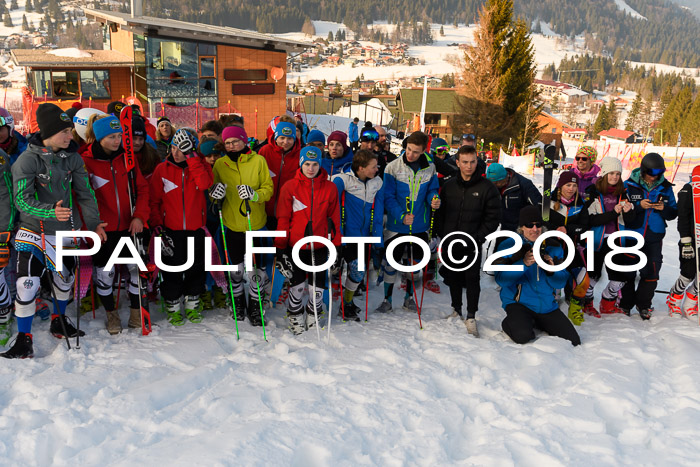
<point>119,176</point>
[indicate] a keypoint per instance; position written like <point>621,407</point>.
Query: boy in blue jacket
<point>361,196</point>
<point>410,195</point>
<point>654,204</point>
<point>528,296</point>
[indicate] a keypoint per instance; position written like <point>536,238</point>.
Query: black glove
<point>335,268</point>
<point>687,249</point>
<point>284,263</point>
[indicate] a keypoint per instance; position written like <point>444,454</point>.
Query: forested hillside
<point>669,34</point>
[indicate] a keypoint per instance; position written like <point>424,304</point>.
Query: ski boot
<point>193,308</point>
<point>575,312</point>
<point>239,302</point>
<point>114,323</point>
<point>134,318</point>
<point>589,309</point>
<point>254,311</point>
<point>172,309</point>
<point>219,297</point>
<point>205,300</point>
<point>336,291</point>
<point>430,284</point>
<point>22,348</point>
<point>350,311</point>
<point>472,329</point>
<point>645,313</point>
<point>311,318</point>
<point>297,325</point>
<point>609,307</point>
<point>674,304</point>
<point>56,328</point>
<point>385,307</point>
<point>690,305</point>
<point>42,309</point>
<point>410,305</point>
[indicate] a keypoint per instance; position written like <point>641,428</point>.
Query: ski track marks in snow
<point>381,393</point>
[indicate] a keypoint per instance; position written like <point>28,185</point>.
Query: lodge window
<point>432,119</point>
<point>95,84</point>
<point>71,84</point>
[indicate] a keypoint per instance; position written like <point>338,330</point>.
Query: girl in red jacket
<point>179,212</point>
<point>104,161</point>
<point>308,205</point>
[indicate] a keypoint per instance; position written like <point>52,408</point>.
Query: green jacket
<point>250,169</point>
<point>42,178</point>
<point>8,214</point>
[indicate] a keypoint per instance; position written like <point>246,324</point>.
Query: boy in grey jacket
<point>45,177</point>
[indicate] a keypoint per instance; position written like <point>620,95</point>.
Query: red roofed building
<point>574,133</point>
<point>615,135</point>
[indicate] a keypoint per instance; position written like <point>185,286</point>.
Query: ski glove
<point>184,141</point>
<point>4,249</point>
<point>687,250</point>
<point>218,191</point>
<point>284,263</point>
<point>247,193</point>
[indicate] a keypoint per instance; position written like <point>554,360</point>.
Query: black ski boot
<point>350,311</point>
<point>56,328</point>
<point>22,348</point>
<point>645,313</point>
<point>239,301</point>
<point>254,311</point>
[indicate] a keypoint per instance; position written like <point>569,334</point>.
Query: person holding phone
<point>654,205</point>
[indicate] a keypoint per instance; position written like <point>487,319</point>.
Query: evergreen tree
<point>601,122</point>
<point>330,36</point>
<point>690,129</point>
<point>632,122</point>
<point>674,116</point>
<point>442,31</point>
<point>554,103</point>
<point>13,5</point>
<point>8,21</point>
<point>38,6</point>
<point>497,78</point>
<point>612,115</point>
<point>25,24</point>
<point>308,28</point>
<point>28,6</point>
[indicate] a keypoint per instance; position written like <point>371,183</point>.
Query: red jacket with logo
<point>110,182</point>
<point>283,168</point>
<point>303,198</point>
<point>178,193</point>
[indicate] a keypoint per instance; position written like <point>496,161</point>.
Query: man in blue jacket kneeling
<point>528,295</point>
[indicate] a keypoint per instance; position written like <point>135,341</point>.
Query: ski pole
<point>51,284</point>
<point>367,283</point>
<point>330,288</point>
<point>425,273</point>
<point>262,314</point>
<point>228,273</point>
<point>313,290</point>
<point>76,294</point>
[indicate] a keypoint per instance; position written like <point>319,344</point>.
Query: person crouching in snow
<point>104,161</point>
<point>308,205</point>
<point>46,178</point>
<point>179,212</point>
<point>242,179</point>
<point>528,296</point>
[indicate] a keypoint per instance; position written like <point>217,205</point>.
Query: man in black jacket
<point>686,282</point>
<point>471,204</point>
<point>516,193</point>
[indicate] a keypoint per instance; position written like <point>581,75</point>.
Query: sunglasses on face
<point>655,172</point>
<point>579,158</point>
<point>533,225</point>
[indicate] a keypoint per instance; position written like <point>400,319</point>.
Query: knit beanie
<point>310,153</point>
<point>285,129</point>
<point>340,137</point>
<point>530,214</point>
<point>316,136</point>
<point>106,126</point>
<point>496,172</point>
<point>51,120</point>
<point>138,126</point>
<point>588,151</point>
<point>207,147</point>
<point>609,164</point>
<point>115,108</point>
<point>567,177</point>
<point>234,132</point>
<point>162,119</point>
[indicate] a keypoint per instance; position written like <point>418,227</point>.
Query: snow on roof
<point>574,130</point>
<point>70,52</point>
<point>574,92</point>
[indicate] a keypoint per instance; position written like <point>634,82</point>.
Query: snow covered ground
<point>437,56</point>
<point>383,392</point>
<point>623,6</point>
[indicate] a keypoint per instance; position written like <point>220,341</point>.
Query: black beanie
<point>115,108</point>
<point>530,214</point>
<point>138,126</point>
<point>51,120</point>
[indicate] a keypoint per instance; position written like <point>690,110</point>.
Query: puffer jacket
<point>361,205</point>
<point>650,222</point>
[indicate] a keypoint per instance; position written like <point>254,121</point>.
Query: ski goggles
<point>441,149</point>
<point>469,136</point>
<point>369,136</point>
<point>3,122</point>
<point>533,225</point>
<point>655,172</point>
